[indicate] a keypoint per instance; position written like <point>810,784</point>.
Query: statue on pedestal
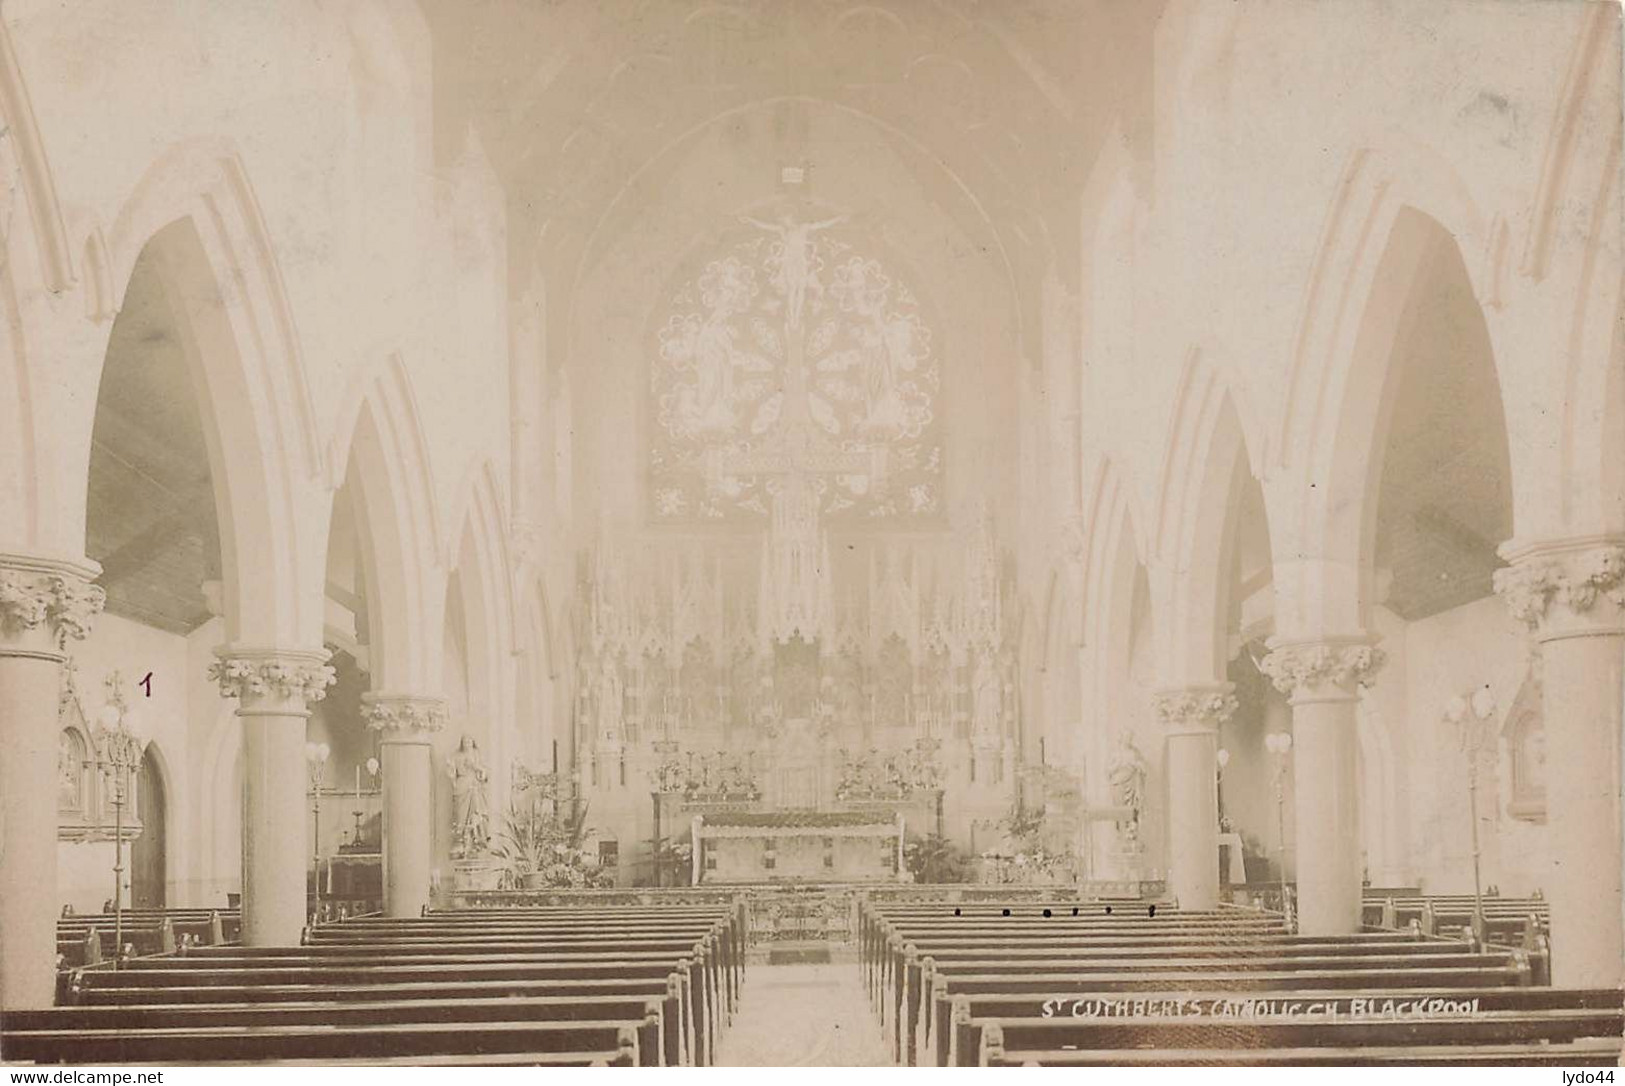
<point>1127,779</point>
<point>470,814</point>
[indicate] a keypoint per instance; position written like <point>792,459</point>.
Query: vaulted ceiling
<point>571,100</point>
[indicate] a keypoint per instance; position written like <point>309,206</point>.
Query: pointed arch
<point>1568,164</point>
<point>1372,246</point>
<point>480,515</point>
<point>477,557</point>
<point>1114,565</point>
<point>193,215</point>
<point>1376,187</point>
<point>385,460</point>
<point>1327,574</point>
<point>1207,461</point>
<point>205,180</point>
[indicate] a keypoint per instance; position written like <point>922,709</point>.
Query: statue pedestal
<point>1125,864</point>
<point>1110,855</point>
<point>475,873</point>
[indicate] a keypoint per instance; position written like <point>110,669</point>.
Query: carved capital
<point>1194,708</point>
<point>1575,579</point>
<point>401,713</point>
<point>1324,668</point>
<point>42,596</point>
<point>291,675</point>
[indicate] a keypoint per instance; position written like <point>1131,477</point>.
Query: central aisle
<point>803,1016</point>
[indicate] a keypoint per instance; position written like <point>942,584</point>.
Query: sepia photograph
<point>808,534</point>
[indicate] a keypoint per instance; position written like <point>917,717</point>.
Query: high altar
<point>807,649</point>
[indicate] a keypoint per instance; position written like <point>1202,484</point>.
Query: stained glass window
<point>794,352</point>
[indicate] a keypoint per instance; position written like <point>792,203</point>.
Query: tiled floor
<point>804,1016</point>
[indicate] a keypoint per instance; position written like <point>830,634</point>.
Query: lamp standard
<point>316,760</point>
<point>1279,744</point>
<point>1471,714</point>
<point>119,748</point>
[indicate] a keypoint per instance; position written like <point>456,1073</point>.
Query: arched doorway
<point>148,853</point>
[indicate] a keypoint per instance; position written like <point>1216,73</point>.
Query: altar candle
<point>358,787</point>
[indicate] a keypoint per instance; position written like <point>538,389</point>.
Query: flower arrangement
<point>541,849</point>
<point>933,858</point>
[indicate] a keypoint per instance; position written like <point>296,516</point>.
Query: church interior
<point>752,532</point>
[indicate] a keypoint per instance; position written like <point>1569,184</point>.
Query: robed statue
<point>470,814</point>
<point>1127,779</point>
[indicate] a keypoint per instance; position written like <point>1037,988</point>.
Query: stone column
<point>274,689</point>
<point>1192,715</point>
<point>1322,680</point>
<point>43,605</point>
<point>1571,594</point>
<point>405,723</point>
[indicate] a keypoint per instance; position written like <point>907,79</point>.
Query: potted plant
<point>540,849</point>
<point>933,858</point>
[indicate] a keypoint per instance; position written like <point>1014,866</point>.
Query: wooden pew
<point>1535,1054</point>
<point>1022,989</point>
<point>1330,970</point>
<point>74,942</point>
<point>201,981</point>
<point>253,1044</point>
<point>663,1043</point>
<point>210,927</point>
<point>496,925</point>
<point>893,958</point>
<point>720,963</point>
<point>1024,1040</point>
<point>883,934</point>
<point>434,971</point>
<point>957,1044</point>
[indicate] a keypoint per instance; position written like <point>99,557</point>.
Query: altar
<point>734,847</point>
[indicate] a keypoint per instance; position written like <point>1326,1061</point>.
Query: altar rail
<point>1094,890</point>
<point>804,912</point>
<point>526,899</point>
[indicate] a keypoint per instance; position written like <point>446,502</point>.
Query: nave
<point>1045,980</point>
<point>491,489</point>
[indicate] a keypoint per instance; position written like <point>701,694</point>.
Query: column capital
<point>258,674</point>
<point>1328,669</point>
<point>1194,710</point>
<point>45,603</point>
<point>402,715</point>
<point>1566,588</point>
